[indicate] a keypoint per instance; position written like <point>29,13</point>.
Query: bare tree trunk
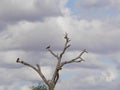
<point>51,85</point>
<point>50,88</point>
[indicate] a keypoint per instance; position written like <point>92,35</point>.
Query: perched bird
<point>48,47</point>
<point>17,59</point>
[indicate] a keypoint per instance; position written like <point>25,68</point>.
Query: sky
<point>27,27</point>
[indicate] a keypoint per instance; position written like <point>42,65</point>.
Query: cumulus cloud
<point>25,88</point>
<point>14,37</point>
<point>30,10</point>
<point>35,32</point>
<point>94,79</point>
<point>83,81</point>
<point>27,40</point>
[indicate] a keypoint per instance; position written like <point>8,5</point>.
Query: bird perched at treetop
<point>48,47</point>
<point>17,59</point>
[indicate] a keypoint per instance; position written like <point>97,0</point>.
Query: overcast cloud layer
<point>27,27</point>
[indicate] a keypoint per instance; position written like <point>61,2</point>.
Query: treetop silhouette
<point>59,65</point>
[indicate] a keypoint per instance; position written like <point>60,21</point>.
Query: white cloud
<point>86,79</point>
<point>93,35</point>
<point>28,40</point>
<point>25,88</point>
<point>109,75</point>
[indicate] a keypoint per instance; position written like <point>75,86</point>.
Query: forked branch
<point>76,59</point>
<point>37,69</point>
<point>66,46</point>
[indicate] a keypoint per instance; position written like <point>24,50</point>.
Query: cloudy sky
<point>27,27</point>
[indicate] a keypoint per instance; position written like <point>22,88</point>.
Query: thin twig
<point>66,46</point>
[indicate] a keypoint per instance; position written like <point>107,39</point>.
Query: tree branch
<point>38,69</point>
<point>77,59</point>
<point>66,46</point>
<point>55,55</point>
<point>41,74</point>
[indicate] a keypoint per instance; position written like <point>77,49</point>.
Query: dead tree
<point>52,82</point>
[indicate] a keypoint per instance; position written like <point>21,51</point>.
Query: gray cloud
<point>93,4</point>
<point>97,4</point>
<point>27,40</point>
<point>96,9</point>
<point>94,79</point>
<point>35,36</point>
<point>30,10</point>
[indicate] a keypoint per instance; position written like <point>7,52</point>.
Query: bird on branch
<point>17,60</point>
<point>48,47</point>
